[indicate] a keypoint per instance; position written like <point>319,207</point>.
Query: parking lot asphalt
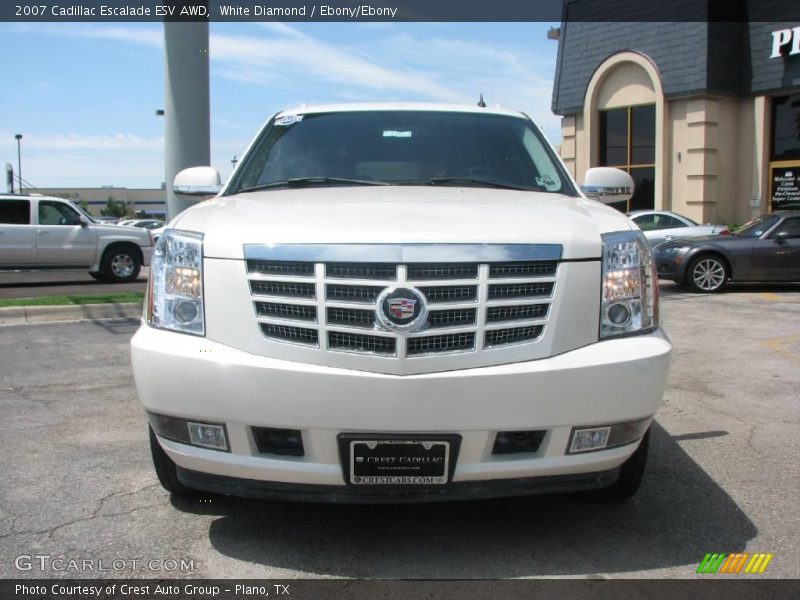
<point>31,284</point>
<point>722,477</point>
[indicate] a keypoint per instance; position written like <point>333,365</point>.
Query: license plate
<point>399,461</point>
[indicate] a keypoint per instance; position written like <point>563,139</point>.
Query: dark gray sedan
<point>766,249</point>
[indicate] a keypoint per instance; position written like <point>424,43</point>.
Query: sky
<point>84,95</point>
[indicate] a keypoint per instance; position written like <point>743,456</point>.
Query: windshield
<point>402,148</point>
<point>756,227</point>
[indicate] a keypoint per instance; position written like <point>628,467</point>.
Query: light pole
<point>18,137</point>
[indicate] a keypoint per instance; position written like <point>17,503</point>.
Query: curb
<point>30,315</point>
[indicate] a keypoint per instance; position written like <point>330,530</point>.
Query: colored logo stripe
<point>734,563</point>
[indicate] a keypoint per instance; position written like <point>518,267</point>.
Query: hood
<point>401,214</point>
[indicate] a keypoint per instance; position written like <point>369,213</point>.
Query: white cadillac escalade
<point>401,303</point>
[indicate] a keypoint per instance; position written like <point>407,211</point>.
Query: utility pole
<point>18,137</point>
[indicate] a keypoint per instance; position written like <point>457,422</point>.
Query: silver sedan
<point>661,226</point>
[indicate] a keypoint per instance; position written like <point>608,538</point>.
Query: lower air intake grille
<point>441,343</point>
<point>500,337</point>
<point>355,342</point>
<point>299,335</point>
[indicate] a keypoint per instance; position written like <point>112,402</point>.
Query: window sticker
<point>287,120</point>
<point>397,134</point>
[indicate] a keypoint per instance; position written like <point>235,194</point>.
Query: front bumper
<point>603,383</point>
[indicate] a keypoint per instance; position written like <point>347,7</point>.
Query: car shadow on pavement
<point>679,514</point>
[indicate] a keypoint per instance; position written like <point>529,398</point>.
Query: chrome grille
<point>511,270</point>
<point>452,318</point>
<point>351,317</point>
<point>361,271</point>
<point>519,290</point>
<point>356,342</point>
<point>423,272</point>
<point>472,307</point>
<point>431,344</point>
<point>450,293</point>
<point>353,293</point>
<point>499,337</point>
<point>278,267</point>
<point>516,313</point>
<point>286,311</point>
<point>283,288</point>
<point>299,335</point>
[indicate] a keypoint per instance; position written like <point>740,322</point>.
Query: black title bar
<point>400,10</point>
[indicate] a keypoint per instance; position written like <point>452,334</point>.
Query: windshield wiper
<point>308,181</point>
<point>478,182</point>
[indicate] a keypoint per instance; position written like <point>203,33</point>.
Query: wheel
<point>166,470</point>
<point>97,275</point>
<point>707,274</point>
<point>120,264</point>
<point>630,475</point>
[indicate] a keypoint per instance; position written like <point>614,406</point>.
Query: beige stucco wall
<point>711,162</point>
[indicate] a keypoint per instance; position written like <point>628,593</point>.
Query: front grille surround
<point>473,307</point>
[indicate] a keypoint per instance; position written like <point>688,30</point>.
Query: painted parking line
<point>771,297</point>
<point>781,346</point>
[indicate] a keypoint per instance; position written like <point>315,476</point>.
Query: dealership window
<point>628,142</point>
<point>784,166</point>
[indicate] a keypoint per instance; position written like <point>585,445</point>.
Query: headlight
<point>629,294</point>
<point>175,291</point>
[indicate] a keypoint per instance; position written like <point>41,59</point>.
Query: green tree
<point>114,209</point>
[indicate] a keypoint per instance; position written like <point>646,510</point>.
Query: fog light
<point>602,437</point>
<point>208,436</point>
<point>584,440</point>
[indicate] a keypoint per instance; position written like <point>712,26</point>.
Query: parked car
<point>662,225</point>
<point>398,303</point>
<point>157,231</point>
<point>142,223</point>
<point>50,233</point>
<point>766,249</point>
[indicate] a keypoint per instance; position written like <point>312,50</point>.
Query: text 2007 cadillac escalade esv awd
<point>401,303</point>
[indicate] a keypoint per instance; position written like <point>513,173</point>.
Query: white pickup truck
<point>401,303</point>
<point>39,232</point>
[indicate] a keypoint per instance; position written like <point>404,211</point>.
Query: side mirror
<point>197,181</point>
<point>607,185</point>
<point>782,236</point>
<point>83,221</point>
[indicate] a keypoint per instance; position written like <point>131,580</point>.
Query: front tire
<point>166,470</point>
<point>631,474</point>
<point>707,274</point>
<point>120,264</point>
